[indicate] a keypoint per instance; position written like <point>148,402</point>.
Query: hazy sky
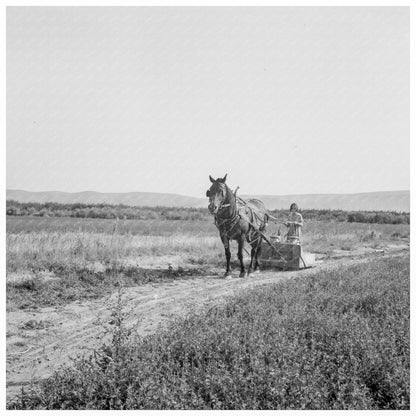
<point>284,100</point>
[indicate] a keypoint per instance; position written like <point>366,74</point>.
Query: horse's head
<point>216,194</point>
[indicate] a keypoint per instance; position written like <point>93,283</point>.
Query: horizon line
<point>203,197</point>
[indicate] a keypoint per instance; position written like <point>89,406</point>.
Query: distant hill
<point>371,201</point>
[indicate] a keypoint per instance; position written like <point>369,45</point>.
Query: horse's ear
<point>207,194</point>
<point>224,178</point>
<point>211,179</point>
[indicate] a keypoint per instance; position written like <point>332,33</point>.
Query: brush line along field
<point>335,337</point>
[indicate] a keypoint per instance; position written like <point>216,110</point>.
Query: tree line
<point>106,211</point>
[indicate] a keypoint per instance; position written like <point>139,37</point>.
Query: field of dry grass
<point>67,244</point>
<point>326,237</point>
<point>55,260</point>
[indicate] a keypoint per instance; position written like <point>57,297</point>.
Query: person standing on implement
<point>294,224</point>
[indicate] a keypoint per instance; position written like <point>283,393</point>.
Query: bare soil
<point>40,341</point>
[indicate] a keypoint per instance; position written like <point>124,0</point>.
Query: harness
<point>226,225</point>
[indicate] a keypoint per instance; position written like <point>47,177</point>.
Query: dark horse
<point>238,220</point>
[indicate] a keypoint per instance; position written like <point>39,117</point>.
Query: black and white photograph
<point>207,206</point>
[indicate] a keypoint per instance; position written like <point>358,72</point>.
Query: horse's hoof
<point>227,275</point>
<point>243,274</point>
<point>257,271</point>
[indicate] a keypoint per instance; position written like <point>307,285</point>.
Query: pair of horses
<point>238,220</point>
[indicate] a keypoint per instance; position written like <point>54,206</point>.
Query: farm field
<point>53,261</point>
<point>63,275</point>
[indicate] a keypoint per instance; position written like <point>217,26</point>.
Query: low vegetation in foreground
<point>335,340</point>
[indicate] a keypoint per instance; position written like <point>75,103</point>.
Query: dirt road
<point>39,341</point>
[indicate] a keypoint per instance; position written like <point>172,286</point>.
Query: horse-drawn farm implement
<point>284,255</point>
<point>246,221</point>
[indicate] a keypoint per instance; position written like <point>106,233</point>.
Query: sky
<point>286,100</point>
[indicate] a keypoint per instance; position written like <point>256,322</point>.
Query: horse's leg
<point>240,256</point>
<point>259,244</point>
<point>252,254</point>
<point>226,242</point>
<point>258,253</point>
<point>255,246</point>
